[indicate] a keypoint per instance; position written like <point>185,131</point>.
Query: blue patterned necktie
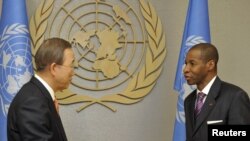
<point>199,103</point>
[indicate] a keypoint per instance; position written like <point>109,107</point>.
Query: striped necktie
<point>199,103</point>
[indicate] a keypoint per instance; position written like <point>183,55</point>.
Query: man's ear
<point>52,69</point>
<point>211,64</point>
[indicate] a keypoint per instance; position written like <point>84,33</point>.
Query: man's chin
<point>189,82</point>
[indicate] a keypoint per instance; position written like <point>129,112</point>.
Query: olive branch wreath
<point>16,28</point>
<point>38,25</point>
<point>141,83</point>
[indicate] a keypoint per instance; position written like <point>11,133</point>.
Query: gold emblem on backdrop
<point>119,48</point>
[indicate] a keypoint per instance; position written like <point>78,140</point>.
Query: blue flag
<point>15,55</point>
<point>196,31</point>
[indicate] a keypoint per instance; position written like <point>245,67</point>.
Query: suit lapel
<point>46,93</point>
<point>192,109</point>
<point>190,102</point>
<point>205,111</point>
<point>209,104</point>
<point>41,87</point>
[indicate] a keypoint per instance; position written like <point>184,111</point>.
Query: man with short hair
<point>214,101</point>
<point>32,115</point>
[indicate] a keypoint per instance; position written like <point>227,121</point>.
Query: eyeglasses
<point>72,66</point>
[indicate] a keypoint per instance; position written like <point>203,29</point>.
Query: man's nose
<point>185,69</point>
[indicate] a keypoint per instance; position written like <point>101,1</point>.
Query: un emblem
<point>16,63</point>
<point>119,56</point>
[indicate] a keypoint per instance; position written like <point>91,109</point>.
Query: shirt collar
<point>207,87</point>
<point>46,85</point>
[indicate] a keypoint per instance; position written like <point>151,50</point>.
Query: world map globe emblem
<point>119,48</point>
<point>16,66</point>
<point>108,40</point>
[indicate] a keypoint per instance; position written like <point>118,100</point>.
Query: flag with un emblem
<point>15,55</point>
<point>196,31</point>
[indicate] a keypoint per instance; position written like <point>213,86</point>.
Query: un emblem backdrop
<point>119,49</point>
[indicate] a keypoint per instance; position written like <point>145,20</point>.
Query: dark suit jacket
<point>225,102</point>
<point>32,115</point>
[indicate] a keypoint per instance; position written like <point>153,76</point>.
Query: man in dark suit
<point>32,115</point>
<point>214,101</point>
